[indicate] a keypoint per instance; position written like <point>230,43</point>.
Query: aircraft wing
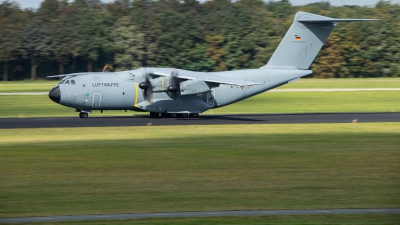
<point>331,20</point>
<point>211,78</point>
<point>67,75</point>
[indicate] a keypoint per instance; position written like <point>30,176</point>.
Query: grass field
<point>345,83</point>
<point>291,102</point>
<point>46,85</point>
<point>69,171</point>
<point>381,219</point>
<point>72,171</point>
<point>27,86</point>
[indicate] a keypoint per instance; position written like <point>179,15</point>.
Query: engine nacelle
<point>193,87</point>
<point>160,84</point>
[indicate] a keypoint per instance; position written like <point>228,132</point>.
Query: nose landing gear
<point>83,113</point>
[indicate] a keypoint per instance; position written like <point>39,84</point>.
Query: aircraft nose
<point>55,94</point>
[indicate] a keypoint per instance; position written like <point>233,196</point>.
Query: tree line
<point>217,35</point>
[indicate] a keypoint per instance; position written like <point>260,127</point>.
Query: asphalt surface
<point>201,120</point>
<point>196,214</point>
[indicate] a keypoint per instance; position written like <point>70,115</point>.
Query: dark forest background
<point>216,35</point>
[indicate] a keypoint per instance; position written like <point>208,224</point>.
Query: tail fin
<point>304,40</point>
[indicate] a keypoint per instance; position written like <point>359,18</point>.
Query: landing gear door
<point>96,100</point>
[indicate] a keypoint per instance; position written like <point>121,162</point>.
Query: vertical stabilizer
<point>304,40</point>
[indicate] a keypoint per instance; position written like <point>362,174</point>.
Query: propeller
<point>150,85</point>
<point>173,88</point>
<point>146,86</point>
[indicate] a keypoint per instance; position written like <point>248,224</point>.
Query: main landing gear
<point>172,115</point>
<point>83,115</point>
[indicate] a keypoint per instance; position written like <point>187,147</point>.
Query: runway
<point>196,214</point>
<point>201,120</point>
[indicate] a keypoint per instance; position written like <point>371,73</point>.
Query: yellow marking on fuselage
<point>136,95</point>
<point>162,83</point>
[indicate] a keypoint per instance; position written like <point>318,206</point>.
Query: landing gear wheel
<point>83,115</point>
<point>164,115</point>
<point>154,114</point>
<point>173,115</point>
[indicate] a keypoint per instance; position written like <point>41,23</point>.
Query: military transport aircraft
<point>175,92</point>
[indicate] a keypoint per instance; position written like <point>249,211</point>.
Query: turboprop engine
<point>160,84</point>
<point>165,83</point>
<point>173,85</point>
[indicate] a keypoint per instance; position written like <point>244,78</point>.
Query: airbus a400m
<point>174,92</point>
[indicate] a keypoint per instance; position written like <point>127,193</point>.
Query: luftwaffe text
<point>105,84</point>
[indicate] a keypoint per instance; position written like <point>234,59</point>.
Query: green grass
<point>27,86</point>
<point>41,106</point>
<point>69,171</point>
<point>369,219</point>
<point>308,102</point>
<point>46,85</point>
<point>346,83</point>
<point>270,102</point>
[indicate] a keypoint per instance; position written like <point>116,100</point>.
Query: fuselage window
<point>67,82</point>
<point>61,82</point>
<point>72,81</point>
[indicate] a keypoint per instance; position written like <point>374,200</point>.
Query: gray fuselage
<point>120,91</point>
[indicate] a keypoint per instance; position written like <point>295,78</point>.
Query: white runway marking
<point>331,89</point>
<point>24,93</point>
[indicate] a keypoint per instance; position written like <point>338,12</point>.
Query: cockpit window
<point>61,82</point>
<point>72,81</point>
<point>67,82</point>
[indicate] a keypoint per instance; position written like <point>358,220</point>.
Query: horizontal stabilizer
<point>332,20</point>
